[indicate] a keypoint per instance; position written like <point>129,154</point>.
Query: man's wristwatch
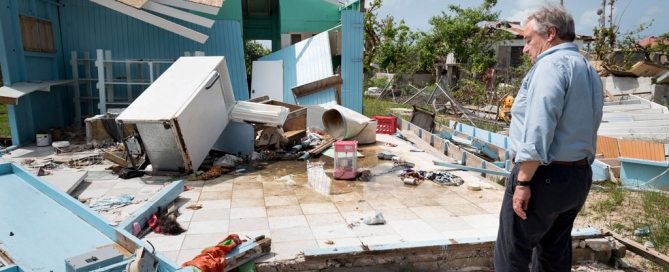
<point>523,183</point>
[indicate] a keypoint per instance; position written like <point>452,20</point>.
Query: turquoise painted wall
<point>304,62</point>
<point>231,10</point>
<point>307,15</point>
<point>81,25</point>
<point>351,58</point>
<point>310,60</point>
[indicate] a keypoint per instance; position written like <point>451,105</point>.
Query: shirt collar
<point>563,46</point>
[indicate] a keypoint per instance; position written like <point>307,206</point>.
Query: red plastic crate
<point>385,124</point>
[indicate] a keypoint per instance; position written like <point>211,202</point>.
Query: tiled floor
<point>296,217</point>
<point>277,202</point>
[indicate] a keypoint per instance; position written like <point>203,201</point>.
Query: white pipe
<point>344,123</point>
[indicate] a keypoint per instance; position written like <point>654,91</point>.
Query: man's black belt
<point>582,162</point>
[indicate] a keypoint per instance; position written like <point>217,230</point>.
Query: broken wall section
<point>316,58</point>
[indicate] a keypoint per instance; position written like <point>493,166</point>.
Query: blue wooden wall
<point>304,62</point>
<point>351,59</point>
<point>310,60</point>
<point>81,25</point>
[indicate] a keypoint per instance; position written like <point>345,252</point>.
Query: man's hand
<point>521,197</point>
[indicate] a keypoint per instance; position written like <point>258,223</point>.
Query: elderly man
<point>555,118</point>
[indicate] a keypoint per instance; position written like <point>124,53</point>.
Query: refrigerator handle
<point>212,79</point>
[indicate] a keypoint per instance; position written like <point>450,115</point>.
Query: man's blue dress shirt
<point>557,111</point>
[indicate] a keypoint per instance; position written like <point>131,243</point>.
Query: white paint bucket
<point>43,139</point>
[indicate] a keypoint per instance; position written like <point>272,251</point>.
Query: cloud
<point>586,22</point>
<point>523,8</point>
<point>520,15</point>
<point>652,11</point>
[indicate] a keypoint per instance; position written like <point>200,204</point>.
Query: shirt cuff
<point>528,152</point>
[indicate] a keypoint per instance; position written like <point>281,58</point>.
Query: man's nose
<point>526,49</point>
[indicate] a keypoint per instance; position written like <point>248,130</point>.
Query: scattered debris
<point>115,158</point>
<point>648,244</point>
<point>61,146</point>
<point>109,203</point>
<point>364,174</point>
<point>128,173</point>
<point>329,242</point>
<point>42,172</point>
<point>165,223</point>
<point>400,136</point>
<point>642,231</point>
<point>214,172</point>
<point>385,155</point>
<point>27,161</point>
<point>445,178</point>
<point>411,181</point>
<point>376,218</point>
<point>473,187</point>
<point>195,206</point>
<point>213,258</point>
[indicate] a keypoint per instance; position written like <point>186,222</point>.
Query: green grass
<point>615,196</point>
<point>373,106</point>
<point>625,211</point>
<point>4,121</point>
<point>656,215</point>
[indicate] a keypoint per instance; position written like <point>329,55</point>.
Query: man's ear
<point>551,33</point>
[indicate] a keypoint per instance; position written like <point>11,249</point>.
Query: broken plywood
<point>213,3</point>
<point>134,3</point>
<point>65,181</point>
<point>607,147</point>
<point>647,69</point>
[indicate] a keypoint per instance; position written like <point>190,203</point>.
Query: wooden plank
<point>183,4</point>
<point>246,252</point>
<point>608,147</point>
<point>179,14</point>
<point>154,20</point>
<point>639,249</point>
<point>663,78</point>
<point>647,69</point>
<point>114,158</point>
<point>134,3</point>
<point>213,3</point>
<point>317,86</point>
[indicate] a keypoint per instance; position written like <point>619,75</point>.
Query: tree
<point>372,40</point>
<point>395,51</point>
<point>252,52</point>
<point>460,32</point>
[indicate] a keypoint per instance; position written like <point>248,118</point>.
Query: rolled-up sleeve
<point>545,101</point>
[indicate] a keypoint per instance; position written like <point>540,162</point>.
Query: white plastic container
<point>43,139</point>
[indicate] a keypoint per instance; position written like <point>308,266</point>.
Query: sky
<point>630,13</point>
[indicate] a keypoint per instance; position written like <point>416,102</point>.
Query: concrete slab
<point>65,181</point>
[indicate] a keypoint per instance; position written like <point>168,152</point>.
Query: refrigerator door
<point>204,114</point>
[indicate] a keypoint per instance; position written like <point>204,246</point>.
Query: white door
<point>267,79</point>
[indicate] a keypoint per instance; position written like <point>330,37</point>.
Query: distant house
<point>52,51</point>
<point>509,53</point>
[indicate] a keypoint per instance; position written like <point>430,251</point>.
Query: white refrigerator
<point>181,115</point>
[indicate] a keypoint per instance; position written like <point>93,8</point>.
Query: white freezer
<point>182,114</point>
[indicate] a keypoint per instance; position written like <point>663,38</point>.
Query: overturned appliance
<point>182,114</point>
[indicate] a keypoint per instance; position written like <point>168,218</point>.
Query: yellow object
<point>504,109</point>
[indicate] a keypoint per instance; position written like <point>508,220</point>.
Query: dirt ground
<point>621,212</point>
